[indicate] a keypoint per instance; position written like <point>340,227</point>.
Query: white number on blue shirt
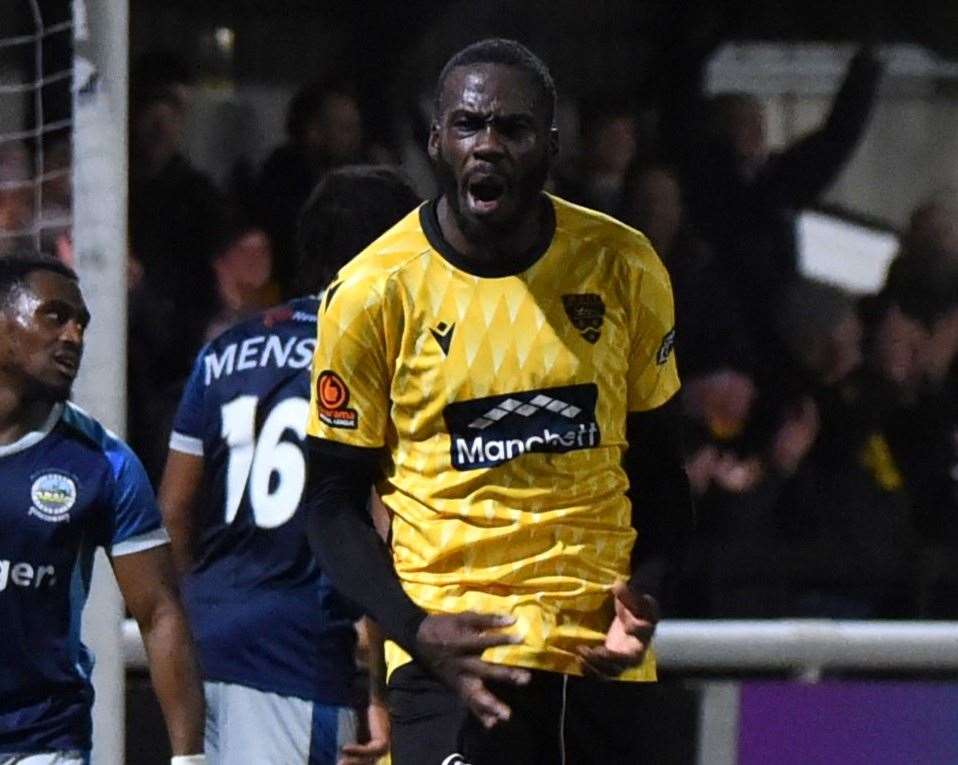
<point>254,461</point>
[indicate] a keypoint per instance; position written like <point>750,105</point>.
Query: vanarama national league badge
<point>332,396</point>
<point>53,495</point>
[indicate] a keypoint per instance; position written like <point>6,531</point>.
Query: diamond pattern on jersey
<point>533,519</point>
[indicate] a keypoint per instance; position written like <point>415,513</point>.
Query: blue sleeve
<point>136,521</point>
<point>187,435</point>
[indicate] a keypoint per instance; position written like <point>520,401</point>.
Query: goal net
<point>36,72</point>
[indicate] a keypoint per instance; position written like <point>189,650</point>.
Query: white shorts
<point>45,758</point>
<point>244,725</point>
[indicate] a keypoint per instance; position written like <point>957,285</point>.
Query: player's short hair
<point>15,268</point>
<point>348,210</point>
<point>497,50</point>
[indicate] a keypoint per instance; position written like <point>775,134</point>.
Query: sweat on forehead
<point>471,85</point>
<point>15,271</point>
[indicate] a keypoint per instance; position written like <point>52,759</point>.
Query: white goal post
<point>100,256</point>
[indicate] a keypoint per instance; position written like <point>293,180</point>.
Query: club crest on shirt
<point>53,495</point>
<point>586,311</point>
<point>332,396</point>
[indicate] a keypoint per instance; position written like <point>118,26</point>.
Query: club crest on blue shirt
<point>53,494</point>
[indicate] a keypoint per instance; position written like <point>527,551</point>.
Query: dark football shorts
<point>556,720</point>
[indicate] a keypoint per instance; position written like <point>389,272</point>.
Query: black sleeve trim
<point>368,455</point>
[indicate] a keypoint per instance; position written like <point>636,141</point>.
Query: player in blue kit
<point>276,643</point>
<point>69,486</point>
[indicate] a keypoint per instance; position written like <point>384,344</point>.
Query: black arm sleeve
<point>345,543</point>
<point>662,510</point>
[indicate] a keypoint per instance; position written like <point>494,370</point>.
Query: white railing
<point>803,647</point>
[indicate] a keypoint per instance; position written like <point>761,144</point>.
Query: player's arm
<point>148,583</point>
<point>347,546</point>
<point>357,561</point>
<point>661,499</point>
<point>663,514</point>
<point>179,488</point>
<point>358,327</point>
<point>664,517</point>
<point>141,559</point>
<point>377,712</point>
<point>183,475</point>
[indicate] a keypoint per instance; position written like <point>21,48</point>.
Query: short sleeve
<point>187,434</point>
<point>136,522</point>
<point>653,376</point>
<point>349,399</point>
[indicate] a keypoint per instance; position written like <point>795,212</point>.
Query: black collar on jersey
<point>429,220</point>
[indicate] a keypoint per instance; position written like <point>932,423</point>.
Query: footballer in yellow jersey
<point>502,404</point>
<point>498,362</point>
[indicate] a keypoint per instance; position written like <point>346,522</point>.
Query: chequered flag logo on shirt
<point>527,409</point>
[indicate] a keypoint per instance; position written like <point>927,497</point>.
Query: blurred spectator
<point>711,333</point>
<point>608,148</point>
<point>844,517</point>
<point>743,199</point>
<point>175,212</point>
<point>16,195</point>
<point>915,347</point>
<point>175,223</point>
<point>324,128</point>
<point>243,265</point>
<point>808,517</point>
<point>57,198</point>
<point>933,229</point>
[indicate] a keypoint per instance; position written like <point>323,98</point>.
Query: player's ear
<point>433,145</point>
<point>553,142</point>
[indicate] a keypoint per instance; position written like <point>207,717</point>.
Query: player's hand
<point>628,638</point>
<point>377,718</point>
<point>450,645</point>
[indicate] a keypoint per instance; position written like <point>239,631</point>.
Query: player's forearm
<point>349,550</point>
<point>175,676</point>
<point>182,479</point>
<point>178,523</point>
<point>662,509</point>
<point>376,662</point>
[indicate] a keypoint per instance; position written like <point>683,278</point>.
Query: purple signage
<point>848,723</point>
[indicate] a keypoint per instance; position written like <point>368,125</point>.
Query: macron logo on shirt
<point>26,575</point>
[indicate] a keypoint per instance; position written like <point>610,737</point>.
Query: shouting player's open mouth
<point>484,192</point>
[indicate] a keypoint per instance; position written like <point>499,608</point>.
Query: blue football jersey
<point>66,489</point>
<point>261,611</point>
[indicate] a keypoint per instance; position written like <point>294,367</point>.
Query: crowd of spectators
<point>822,427</point>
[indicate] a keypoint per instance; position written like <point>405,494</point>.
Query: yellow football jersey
<point>501,405</point>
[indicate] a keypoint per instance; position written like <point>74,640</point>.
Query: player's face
<point>42,336</point>
<point>492,146</point>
